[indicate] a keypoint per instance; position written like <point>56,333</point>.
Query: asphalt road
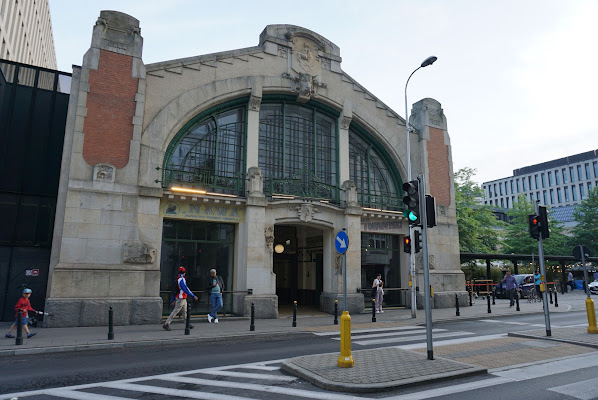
<point>65,369</point>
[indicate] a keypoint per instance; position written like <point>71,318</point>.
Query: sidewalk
<point>397,370</point>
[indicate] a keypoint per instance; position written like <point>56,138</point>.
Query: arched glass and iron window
<point>373,176</point>
<point>209,153</point>
<point>298,152</point>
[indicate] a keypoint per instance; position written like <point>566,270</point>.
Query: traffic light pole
<point>543,277</point>
<point>412,272</point>
<point>427,289</point>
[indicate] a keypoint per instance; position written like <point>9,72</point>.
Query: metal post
<point>493,302</point>
<point>294,314</point>
<point>457,313</point>
<point>543,278</point>
<point>517,301</point>
<point>188,320</point>
<point>252,324</point>
<point>373,310</point>
<point>550,292</point>
<point>110,324</point>
<point>428,306</point>
<point>345,281</point>
<point>19,339</point>
<point>556,300</point>
<point>488,299</point>
<point>470,295</point>
<point>412,254</point>
<point>335,312</point>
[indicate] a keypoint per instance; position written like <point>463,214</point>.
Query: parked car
<point>524,282</point>
<point>593,287</point>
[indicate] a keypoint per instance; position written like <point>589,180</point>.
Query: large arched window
<point>298,151</point>
<point>210,154</point>
<point>374,176</point>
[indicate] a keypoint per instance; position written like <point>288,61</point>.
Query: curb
<point>148,343</point>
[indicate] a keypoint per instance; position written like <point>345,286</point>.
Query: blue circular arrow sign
<point>341,242</point>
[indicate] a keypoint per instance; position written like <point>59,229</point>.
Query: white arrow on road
<point>342,242</point>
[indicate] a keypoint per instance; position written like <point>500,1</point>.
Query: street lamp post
<point>428,61</point>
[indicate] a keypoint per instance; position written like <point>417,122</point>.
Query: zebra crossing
<point>399,335</point>
<point>264,380</point>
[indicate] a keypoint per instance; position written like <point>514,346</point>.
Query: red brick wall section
<point>438,163</point>
<point>108,127</point>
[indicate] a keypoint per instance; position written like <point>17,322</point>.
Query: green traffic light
<point>412,216</point>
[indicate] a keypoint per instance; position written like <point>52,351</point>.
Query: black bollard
<point>252,324</point>
<point>294,314</point>
<point>188,320</point>
<point>19,339</point>
<point>517,301</point>
<point>550,292</point>
<point>335,312</point>
<point>470,296</point>
<point>373,310</point>
<point>556,301</point>
<point>457,313</point>
<point>585,287</point>
<point>493,303</point>
<point>110,324</point>
<point>488,299</point>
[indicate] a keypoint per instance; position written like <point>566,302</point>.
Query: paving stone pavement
<point>507,351</point>
<point>576,335</point>
<point>375,370</point>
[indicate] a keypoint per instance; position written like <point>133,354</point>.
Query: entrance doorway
<point>298,263</point>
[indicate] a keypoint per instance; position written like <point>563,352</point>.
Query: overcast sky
<point>516,78</point>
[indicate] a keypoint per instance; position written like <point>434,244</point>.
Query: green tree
<point>517,239</point>
<point>586,216</point>
<point>477,223</point>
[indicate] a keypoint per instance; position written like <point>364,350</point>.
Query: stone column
<point>110,231</point>
<point>432,157</point>
<point>260,239</point>
<point>253,126</point>
<point>344,120</point>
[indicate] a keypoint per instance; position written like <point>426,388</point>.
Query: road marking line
<point>550,368</point>
<point>445,391</point>
<point>398,328</point>
<point>175,392</point>
<point>453,341</point>
<point>260,367</point>
<point>71,394</point>
<point>377,335</point>
<point>233,374</point>
<point>418,337</point>
<point>572,326</point>
<point>264,388</point>
<point>579,390</point>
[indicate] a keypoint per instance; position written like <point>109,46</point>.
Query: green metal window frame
<point>216,178</point>
<point>367,195</point>
<point>315,145</point>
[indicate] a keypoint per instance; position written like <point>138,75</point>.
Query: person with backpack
<point>215,288</point>
<point>180,299</point>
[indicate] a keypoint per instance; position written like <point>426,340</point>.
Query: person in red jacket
<point>25,305</point>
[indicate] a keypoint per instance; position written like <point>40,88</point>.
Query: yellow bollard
<point>346,359</point>
<point>592,328</point>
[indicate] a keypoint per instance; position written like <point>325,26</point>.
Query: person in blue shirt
<point>538,279</point>
<point>181,299</point>
<point>510,286</point>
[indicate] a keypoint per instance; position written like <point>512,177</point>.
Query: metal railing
<point>206,179</point>
<point>307,187</point>
<point>393,297</point>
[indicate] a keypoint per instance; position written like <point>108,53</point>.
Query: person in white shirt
<point>377,285</point>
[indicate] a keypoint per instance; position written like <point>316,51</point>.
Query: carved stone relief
<point>305,212</point>
<point>345,122</point>
<point>138,253</point>
<point>269,233</point>
<point>103,173</point>
<point>254,103</point>
<point>283,52</point>
<point>325,63</point>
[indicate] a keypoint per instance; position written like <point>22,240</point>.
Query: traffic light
<point>412,201</point>
<point>407,244</point>
<point>430,211</point>
<point>534,226</point>
<point>543,217</point>
<point>417,241</point>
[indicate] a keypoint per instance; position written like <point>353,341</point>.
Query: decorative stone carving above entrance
<point>103,173</point>
<point>305,212</point>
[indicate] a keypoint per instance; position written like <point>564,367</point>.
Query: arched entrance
<point>298,263</point>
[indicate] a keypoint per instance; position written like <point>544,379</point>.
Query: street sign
<point>341,242</point>
<point>577,252</point>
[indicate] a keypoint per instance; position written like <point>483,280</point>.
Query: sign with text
<point>201,211</point>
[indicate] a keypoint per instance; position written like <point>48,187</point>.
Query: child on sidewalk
<point>25,305</point>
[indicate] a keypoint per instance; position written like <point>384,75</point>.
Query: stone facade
<point>109,228</point>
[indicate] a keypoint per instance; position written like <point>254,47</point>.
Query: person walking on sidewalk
<point>24,305</point>
<point>181,299</point>
<point>570,280</point>
<point>510,286</point>
<point>215,288</point>
<point>538,281</point>
<point>377,286</point>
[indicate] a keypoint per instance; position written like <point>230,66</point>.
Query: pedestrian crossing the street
<point>399,335</point>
